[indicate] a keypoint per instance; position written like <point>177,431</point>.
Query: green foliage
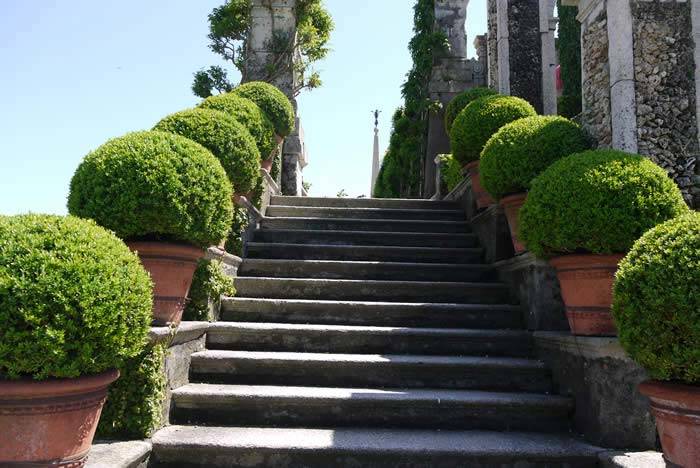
<point>569,48</point>
<point>521,150</point>
<point>657,300</point>
<point>450,171</point>
<point>480,120</point>
<point>597,202</point>
<point>247,113</point>
<point>213,79</point>
<point>569,106</point>
<point>276,168</point>
<point>274,104</point>
<point>463,100</point>
<point>134,407</point>
<point>154,185</point>
<point>227,139</point>
<point>74,300</point>
<point>234,242</point>
<point>209,281</point>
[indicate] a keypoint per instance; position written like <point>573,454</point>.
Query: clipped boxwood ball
<point>521,150</point>
<point>657,300</point>
<point>463,100</point>
<point>247,113</point>
<point>274,104</point>
<point>154,185</point>
<point>597,202</point>
<point>227,139</point>
<point>480,120</point>
<point>74,300</point>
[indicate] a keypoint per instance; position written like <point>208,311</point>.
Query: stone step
<point>364,290</point>
<point>357,270</point>
<point>277,211</point>
<point>374,225</point>
<point>365,252</point>
<point>405,239</point>
<point>395,203</point>
<point>349,407</point>
<point>228,447</point>
<point>484,316</point>
<point>242,336</point>
<point>370,370</point>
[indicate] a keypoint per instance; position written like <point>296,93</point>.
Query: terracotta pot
<point>266,164</point>
<point>237,197</point>
<point>511,207</point>
<point>586,286</point>
<point>51,422</point>
<point>676,408</point>
<point>482,197</point>
<point>171,267</point>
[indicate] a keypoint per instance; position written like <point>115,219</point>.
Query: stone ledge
<point>116,454</point>
<point>632,460</point>
<point>593,347</point>
<point>186,332</point>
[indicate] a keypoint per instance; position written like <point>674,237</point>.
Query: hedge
<point>597,202</point>
<point>657,300</point>
<point>450,172</point>
<point>521,150</point>
<point>154,185</point>
<point>74,300</point>
<point>274,104</point>
<point>227,139</point>
<point>209,282</point>
<point>461,101</point>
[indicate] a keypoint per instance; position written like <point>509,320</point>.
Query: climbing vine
<point>569,47</point>
<point>400,174</point>
<point>229,32</point>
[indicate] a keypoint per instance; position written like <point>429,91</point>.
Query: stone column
<point>294,159</point>
<point>492,42</point>
<point>548,27</point>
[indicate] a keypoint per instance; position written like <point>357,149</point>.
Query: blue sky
<point>75,73</point>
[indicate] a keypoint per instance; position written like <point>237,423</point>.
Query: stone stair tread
<point>385,283</point>
<point>274,211</point>
<point>398,248</point>
<point>363,225</point>
<point>361,202</point>
<point>228,446</point>
<point>309,236</point>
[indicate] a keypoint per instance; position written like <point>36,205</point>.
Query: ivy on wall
<point>400,174</point>
<point>569,48</point>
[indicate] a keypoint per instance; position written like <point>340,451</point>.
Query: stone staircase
<point>368,333</point>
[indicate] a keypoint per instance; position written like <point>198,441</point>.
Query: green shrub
<point>154,185</point>
<point>463,100</point>
<point>227,139</point>
<point>272,102</point>
<point>597,202</point>
<point>74,300</point>
<point>450,172</point>
<point>480,120</point>
<point>134,407</point>
<point>569,106</point>
<point>210,281</point>
<point>247,113</point>
<point>657,300</point>
<point>234,242</point>
<point>521,150</point>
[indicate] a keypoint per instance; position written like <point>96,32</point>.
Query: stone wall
<point>492,35</point>
<point>596,80</point>
<point>525,49</point>
<point>664,70</point>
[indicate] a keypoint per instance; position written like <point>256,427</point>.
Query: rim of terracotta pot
<point>266,164</point>
<point>469,167</point>
<point>672,391</point>
<point>589,260</point>
<point>513,199</point>
<point>177,247</point>
<point>27,388</point>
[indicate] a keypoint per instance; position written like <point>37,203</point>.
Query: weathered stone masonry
<point>492,44</point>
<point>525,51</point>
<point>596,80</point>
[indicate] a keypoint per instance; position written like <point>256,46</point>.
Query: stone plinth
<point>294,159</point>
<point>491,227</point>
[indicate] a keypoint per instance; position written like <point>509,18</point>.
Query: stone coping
<point>186,332</point>
<point>459,190</point>
<point>119,454</point>
<point>595,347</point>
<point>517,262</point>
<point>215,253</point>
<point>632,460</point>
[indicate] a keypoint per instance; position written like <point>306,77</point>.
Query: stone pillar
<point>294,159</point>
<point>492,42</point>
<point>481,73</point>
<point>548,27</point>
<point>375,161</point>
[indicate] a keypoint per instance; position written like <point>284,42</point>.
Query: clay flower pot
<point>586,286</point>
<point>482,197</point>
<point>171,267</point>
<point>676,408</point>
<point>51,422</point>
<point>511,207</point>
<point>266,164</point>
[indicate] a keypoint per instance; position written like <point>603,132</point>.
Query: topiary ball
<point>521,150</point>
<point>463,100</point>
<point>597,202</point>
<point>477,122</point>
<point>274,104</point>
<point>657,300</point>
<point>154,185</point>
<point>249,114</point>
<point>74,300</point>
<point>227,139</point>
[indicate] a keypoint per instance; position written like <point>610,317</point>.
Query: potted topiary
<point>584,213</point>
<point>461,101</point>
<point>227,139</point>
<point>247,113</point>
<point>167,197</point>
<point>518,153</point>
<point>473,127</point>
<point>274,104</point>
<point>657,311</point>
<point>74,304</point>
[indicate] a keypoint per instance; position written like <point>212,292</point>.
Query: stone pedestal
<point>294,159</point>
<point>491,227</point>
